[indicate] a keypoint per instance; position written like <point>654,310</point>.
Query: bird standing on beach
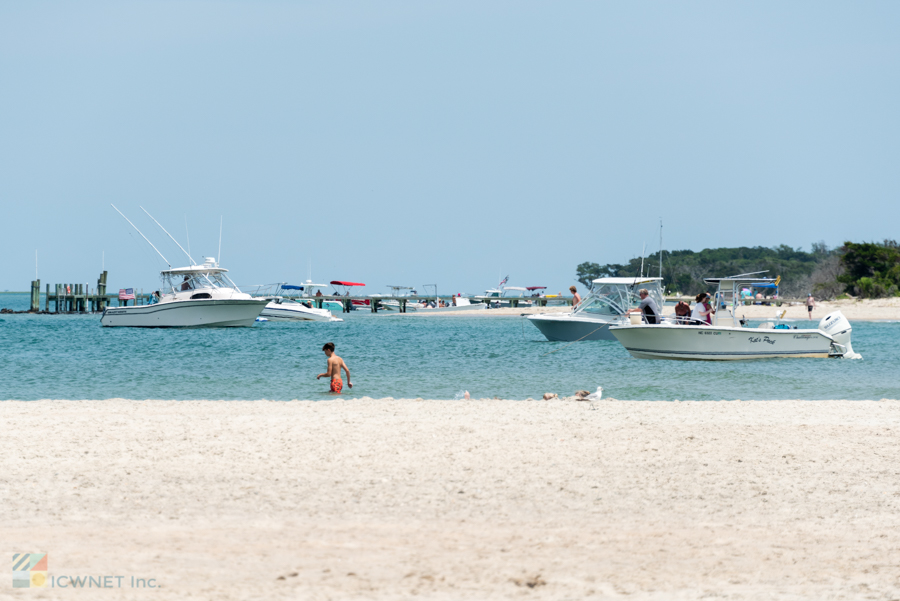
<point>595,396</point>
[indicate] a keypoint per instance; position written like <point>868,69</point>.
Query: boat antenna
<point>218,258</point>
<point>660,247</point>
<point>187,233</point>
<point>141,233</point>
<point>170,235</point>
<point>643,250</point>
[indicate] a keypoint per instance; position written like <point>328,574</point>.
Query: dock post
<point>347,304</point>
<point>35,296</point>
<point>403,305</point>
<point>101,291</point>
<point>47,300</point>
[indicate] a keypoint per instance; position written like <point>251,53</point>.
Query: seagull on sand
<point>595,396</point>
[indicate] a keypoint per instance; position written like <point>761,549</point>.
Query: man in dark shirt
<point>648,307</point>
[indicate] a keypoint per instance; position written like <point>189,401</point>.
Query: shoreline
<point>883,309</point>
<point>386,499</point>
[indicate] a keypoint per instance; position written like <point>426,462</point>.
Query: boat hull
<point>705,343</point>
<point>563,327</point>
<point>280,312</point>
<point>186,314</point>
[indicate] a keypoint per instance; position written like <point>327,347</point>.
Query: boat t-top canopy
<point>289,287</point>
<point>400,287</point>
<point>536,288</point>
<point>193,269</point>
<point>516,288</point>
<point>757,282</point>
<point>627,281</point>
<point>340,283</point>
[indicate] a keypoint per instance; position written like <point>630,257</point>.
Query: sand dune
<point>388,499</point>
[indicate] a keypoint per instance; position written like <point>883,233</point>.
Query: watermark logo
<point>29,570</point>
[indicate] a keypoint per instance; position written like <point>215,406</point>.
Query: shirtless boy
<point>335,364</point>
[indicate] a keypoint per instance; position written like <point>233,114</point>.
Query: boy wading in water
<point>335,364</point>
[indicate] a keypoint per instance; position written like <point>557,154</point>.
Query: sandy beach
<point>390,499</point>
<point>881,309</point>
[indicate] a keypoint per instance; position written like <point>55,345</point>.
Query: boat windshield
<point>177,282</point>
<point>615,299</point>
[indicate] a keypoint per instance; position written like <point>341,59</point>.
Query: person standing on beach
<point>810,304</point>
<point>576,298</point>
<point>334,365</point>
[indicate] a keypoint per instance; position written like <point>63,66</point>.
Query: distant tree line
<point>866,269</point>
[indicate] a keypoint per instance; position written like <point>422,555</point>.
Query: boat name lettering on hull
<point>763,339</point>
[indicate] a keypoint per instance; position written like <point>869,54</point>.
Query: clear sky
<point>438,142</point>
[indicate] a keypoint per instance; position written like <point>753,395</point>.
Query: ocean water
<point>72,357</point>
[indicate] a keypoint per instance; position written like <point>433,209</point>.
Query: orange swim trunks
<point>337,385</point>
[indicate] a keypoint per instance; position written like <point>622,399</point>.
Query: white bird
<point>595,396</point>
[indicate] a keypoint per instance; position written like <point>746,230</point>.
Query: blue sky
<point>440,142</point>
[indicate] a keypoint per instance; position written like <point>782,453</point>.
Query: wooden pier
<point>79,298</point>
<point>375,303</point>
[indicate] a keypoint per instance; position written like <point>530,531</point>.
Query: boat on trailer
<point>728,338</point>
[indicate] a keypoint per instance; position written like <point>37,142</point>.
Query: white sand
<point>454,500</point>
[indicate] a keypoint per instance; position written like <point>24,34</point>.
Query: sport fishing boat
<point>199,296</point>
<point>727,338</point>
<point>191,297</point>
<point>282,307</point>
<point>608,300</point>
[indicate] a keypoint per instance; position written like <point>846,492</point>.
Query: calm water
<point>72,357</point>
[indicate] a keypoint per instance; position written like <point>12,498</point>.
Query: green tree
<point>872,270</point>
<point>586,273</point>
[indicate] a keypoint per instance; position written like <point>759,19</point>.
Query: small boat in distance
<point>348,286</point>
<point>283,306</point>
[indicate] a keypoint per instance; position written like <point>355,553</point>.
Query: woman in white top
<point>700,313</point>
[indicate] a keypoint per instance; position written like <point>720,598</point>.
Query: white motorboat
<point>608,300</point>
<point>456,303</point>
<point>726,339</point>
<point>392,304</point>
<point>282,307</point>
<point>191,297</point>
<point>501,297</point>
<point>311,293</point>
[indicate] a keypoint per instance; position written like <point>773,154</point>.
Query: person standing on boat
<point>647,306</point>
<point>810,304</point>
<point>334,365</point>
<point>700,314</point>
<point>576,298</point>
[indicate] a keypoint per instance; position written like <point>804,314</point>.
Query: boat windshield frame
<point>171,282</point>
<point>615,299</point>
<point>728,293</point>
